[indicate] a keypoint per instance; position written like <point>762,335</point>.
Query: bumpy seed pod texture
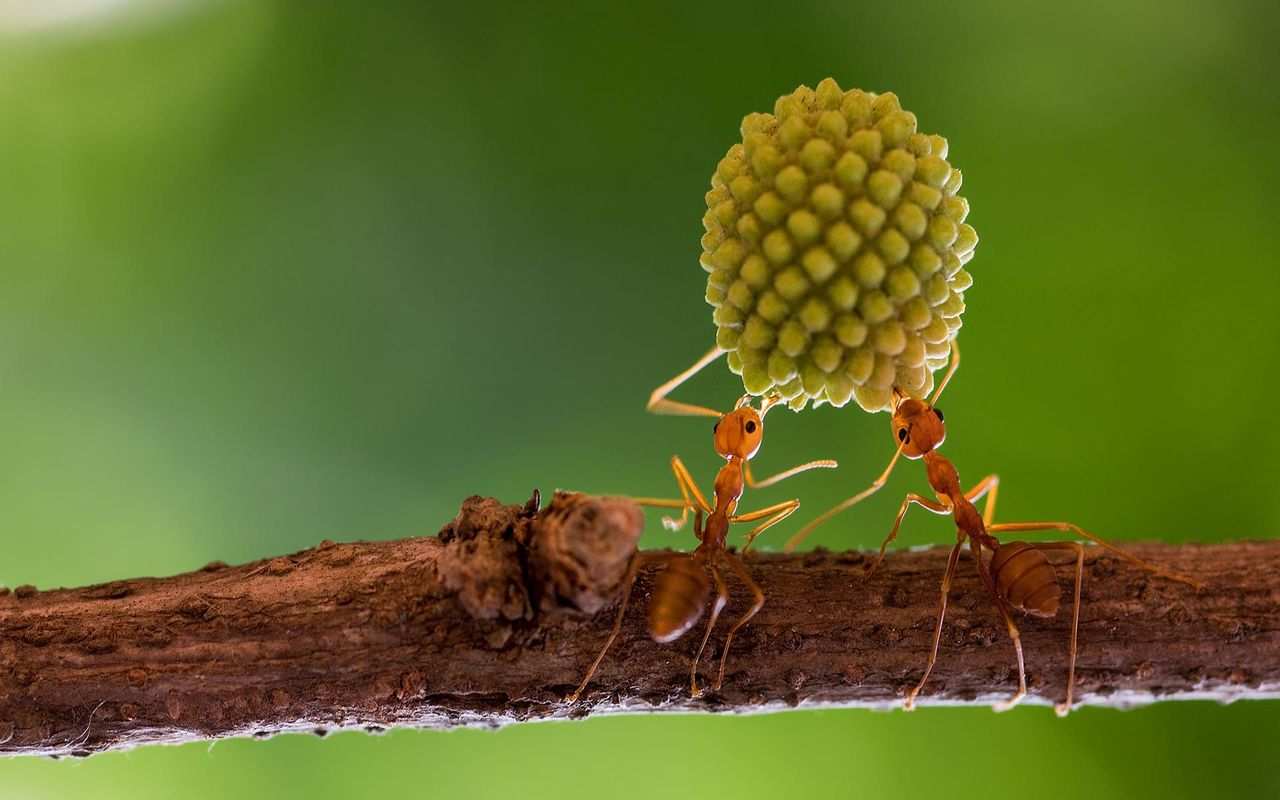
<point>835,245</point>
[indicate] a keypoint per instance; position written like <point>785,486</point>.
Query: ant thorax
<point>729,484</point>
<point>942,475</point>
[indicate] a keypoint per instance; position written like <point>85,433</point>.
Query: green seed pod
<point>836,247</point>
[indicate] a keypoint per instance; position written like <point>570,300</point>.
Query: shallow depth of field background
<point>276,272</point>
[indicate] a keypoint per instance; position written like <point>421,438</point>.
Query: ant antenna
<point>951,370</point>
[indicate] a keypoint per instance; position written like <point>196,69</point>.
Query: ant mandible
<point>681,588</point>
<point>1019,576</point>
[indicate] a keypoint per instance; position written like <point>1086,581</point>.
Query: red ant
<point>681,588</point>
<point>1019,575</point>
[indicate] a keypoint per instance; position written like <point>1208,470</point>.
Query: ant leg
<point>687,487</point>
<point>1063,708</point>
<point>659,404</point>
<point>752,483</point>
<point>722,597</point>
<point>937,508</point>
<point>989,486</point>
<point>669,523</point>
<point>1001,606</point>
<point>780,511</point>
<point>693,497</point>
<point>1067,527</point>
<point>637,561</point>
<point>658,502</point>
<point>910,703</point>
<point>852,501</point>
<point>741,570</point>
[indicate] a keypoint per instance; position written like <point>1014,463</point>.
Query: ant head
<point>740,432</point>
<point>917,426</point>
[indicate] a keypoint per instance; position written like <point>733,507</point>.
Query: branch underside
<point>497,619</point>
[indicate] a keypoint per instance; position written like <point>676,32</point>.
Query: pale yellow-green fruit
<point>836,246</point>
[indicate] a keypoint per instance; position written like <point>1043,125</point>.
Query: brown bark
<point>496,619</point>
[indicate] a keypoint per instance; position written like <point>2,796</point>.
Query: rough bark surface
<point>496,619</point>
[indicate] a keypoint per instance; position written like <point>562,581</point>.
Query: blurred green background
<point>273,272</point>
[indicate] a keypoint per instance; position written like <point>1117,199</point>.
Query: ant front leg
<point>1067,527</point>
<point>722,597</point>
<point>693,497</point>
<point>1064,708</point>
<point>852,501</point>
<point>637,561</point>
<point>779,511</point>
<point>920,500</point>
<point>910,703</point>
<point>659,404</point>
<point>738,567</point>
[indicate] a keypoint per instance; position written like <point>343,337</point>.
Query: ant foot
<point>1005,705</point>
<point>1062,709</point>
<point>672,524</point>
<point>1183,579</point>
<point>910,703</point>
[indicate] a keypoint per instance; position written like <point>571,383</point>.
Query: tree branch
<point>496,620</point>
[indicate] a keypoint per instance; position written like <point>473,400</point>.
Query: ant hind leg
<point>990,487</point>
<point>637,561</point>
<point>909,704</point>
<point>722,597</point>
<point>1001,606</point>
<point>1067,527</point>
<point>1063,708</point>
<point>738,567</point>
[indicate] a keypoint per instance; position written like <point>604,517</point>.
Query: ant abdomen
<point>1025,578</point>
<point>679,599</point>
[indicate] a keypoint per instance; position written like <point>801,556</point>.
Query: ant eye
<point>715,427</point>
<point>751,426</point>
<point>902,434</point>
<point>938,413</point>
